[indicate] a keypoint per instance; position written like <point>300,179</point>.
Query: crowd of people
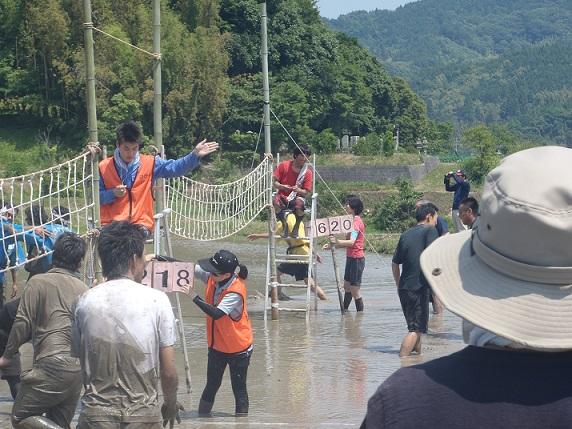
<point>506,273</point>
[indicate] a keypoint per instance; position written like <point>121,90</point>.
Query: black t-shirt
<point>411,244</point>
<point>477,388</point>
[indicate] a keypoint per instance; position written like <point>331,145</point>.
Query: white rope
<point>66,185</point>
<point>200,211</point>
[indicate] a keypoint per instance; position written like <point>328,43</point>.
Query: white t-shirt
<point>119,327</point>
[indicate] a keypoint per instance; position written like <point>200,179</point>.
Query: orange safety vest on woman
<point>136,205</point>
<point>227,335</point>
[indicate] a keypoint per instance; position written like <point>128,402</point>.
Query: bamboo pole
<point>92,123</point>
<point>268,151</point>
<point>337,274</point>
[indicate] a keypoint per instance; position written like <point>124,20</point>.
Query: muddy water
<point>303,374</point>
<point>309,373</point>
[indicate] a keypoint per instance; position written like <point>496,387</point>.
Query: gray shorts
<point>87,423</point>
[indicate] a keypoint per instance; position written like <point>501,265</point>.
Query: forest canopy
<point>323,83</point>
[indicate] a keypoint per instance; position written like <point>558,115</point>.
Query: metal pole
<point>268,150</point>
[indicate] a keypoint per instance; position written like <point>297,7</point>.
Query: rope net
<point>38,207</point>
<point>200,211</point>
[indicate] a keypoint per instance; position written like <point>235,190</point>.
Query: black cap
<point>222,262</point>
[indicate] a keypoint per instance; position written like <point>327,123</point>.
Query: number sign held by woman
<point>170,276</point>
<point>333,225</point>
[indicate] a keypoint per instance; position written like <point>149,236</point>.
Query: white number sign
<point>170,276</point>
<point>334,225</point>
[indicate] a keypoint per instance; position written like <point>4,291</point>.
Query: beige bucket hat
<point>512,275</point>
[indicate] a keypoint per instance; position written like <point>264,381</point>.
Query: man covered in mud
<point>124,334</point>
<point>49,392</point>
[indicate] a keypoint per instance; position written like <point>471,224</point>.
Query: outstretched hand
<point>205,148</point>
<point>170,413</point>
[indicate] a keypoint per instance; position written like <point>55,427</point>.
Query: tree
<point>481,140</point>
<point>388,145</point>
<point>396,212</point>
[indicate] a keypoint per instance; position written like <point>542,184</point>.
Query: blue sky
<point>335,8</point>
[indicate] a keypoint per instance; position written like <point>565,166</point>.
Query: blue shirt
<point>164,168</point>
<point>461,188</point>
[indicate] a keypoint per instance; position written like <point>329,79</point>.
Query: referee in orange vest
<point>229,333</point>
<point>127,177</point>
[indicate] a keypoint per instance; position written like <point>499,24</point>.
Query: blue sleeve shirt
<point>164,168</point>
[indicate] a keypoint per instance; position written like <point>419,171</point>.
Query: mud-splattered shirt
<point>119,328</point>
<point>45,314</point>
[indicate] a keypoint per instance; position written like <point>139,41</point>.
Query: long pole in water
<point>337,273</point>
<point>92,119</point>
<point>158,140</point>
<point>268,151</point>
<point>157,101</point>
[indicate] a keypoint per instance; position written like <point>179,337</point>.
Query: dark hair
<point>355,203</point>
<point>423,210</point>
<point>117,244</point>
<point>36,215</point>
<point>69,251</point>
<point>129,132</point>
<point>61,215</point>
<point>471,203</point>
<point>243,273</point>
<point>302,149</point>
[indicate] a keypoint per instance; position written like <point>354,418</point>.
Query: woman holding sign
<point>229,333</point>
<point>355,257</point>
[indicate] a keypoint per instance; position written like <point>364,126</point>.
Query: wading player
<point>49,392</point>
<point>125,333</point>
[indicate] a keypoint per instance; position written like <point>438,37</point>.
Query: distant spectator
<point>461,188</point>
<point>469,212</point>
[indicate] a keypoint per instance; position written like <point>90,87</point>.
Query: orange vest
<point>136,205</point>
<point>226,335</point>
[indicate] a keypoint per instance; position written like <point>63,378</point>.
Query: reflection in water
<point>315,373</point>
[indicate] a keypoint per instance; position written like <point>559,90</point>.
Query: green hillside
<point>322,83</point>
<point>480,61</point>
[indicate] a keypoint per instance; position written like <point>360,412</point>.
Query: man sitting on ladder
<point>292,178</point>
<point>127,177</point>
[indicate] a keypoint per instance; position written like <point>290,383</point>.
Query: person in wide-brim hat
<point>510,279</point>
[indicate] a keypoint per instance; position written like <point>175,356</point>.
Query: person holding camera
<point>127,177</point>
<point>461,188</point>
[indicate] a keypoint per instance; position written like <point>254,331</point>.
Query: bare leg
<point>417,348</point>
<point>321,294</point>
<point>355,290</point>
<point>437,305</point>
<point>410,342</point>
